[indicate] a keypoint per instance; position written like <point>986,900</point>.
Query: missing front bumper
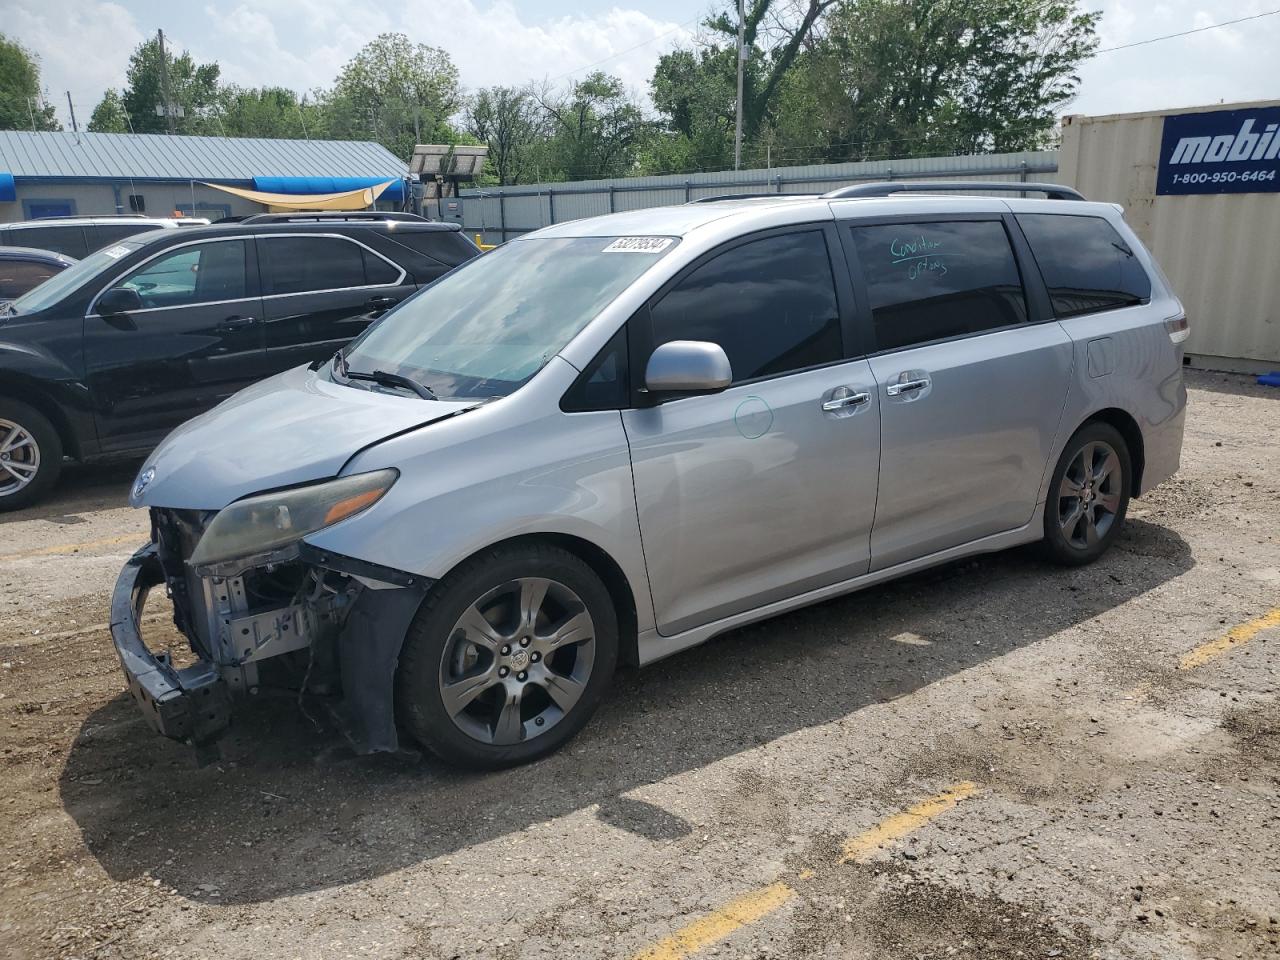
<point>191,704</point>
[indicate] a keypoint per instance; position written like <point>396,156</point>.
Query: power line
<point>620,53</point>
<point>1187,33</point>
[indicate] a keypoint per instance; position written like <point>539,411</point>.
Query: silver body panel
<point>724,508</point>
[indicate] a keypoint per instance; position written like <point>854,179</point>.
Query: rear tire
<point>1088,495</point>
<point>30,455</point>
<point>508,657</point>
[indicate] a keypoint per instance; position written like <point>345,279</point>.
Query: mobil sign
<point>1225,151</point>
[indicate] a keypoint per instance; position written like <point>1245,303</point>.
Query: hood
<point>293,428</point>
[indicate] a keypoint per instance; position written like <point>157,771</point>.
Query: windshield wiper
<point>386,379</point>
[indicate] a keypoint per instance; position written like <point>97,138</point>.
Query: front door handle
<point>381,303</point>
<point>236,323</point>
<point>842,400</point>
<point>903,386</point>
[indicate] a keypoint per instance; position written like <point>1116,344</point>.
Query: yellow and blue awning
<point>283,194</point>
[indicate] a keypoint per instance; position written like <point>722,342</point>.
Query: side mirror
<point>688,366</point>
<point>119,300</point>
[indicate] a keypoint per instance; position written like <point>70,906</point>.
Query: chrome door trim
<point>894,389</point>
<point>851,400</point>
<point>91,312</point>
<point>399,281</point>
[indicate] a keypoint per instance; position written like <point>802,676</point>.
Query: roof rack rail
<point>303,216</point>
<point>750,196</point>
<point>1054,191</point>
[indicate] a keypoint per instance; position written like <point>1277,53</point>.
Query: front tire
<point>30,455</point>
<point>508,657</point>
<point>1088,495</point>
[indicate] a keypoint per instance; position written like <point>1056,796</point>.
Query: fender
<point>36,375</point>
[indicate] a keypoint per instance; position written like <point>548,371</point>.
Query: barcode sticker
<point>115,253</point>
<point>638,245</point>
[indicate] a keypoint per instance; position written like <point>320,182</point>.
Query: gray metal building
<point>69,174</point>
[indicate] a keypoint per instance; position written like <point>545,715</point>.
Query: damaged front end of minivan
<point>261,608</point>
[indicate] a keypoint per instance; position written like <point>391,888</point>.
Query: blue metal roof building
<point>64,174</point>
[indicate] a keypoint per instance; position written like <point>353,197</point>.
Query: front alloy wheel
<point>517,661</point>
<point>508,656</point>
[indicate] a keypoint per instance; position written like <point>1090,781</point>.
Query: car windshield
<point>484,329</point>
<point>59,285</point>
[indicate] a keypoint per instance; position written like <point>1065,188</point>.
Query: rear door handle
<point>904,386</point>
<point>842,399</point>
<point>237,323</point>
<point>381,303</point>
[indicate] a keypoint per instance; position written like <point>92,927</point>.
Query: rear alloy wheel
<point>1088,495</point>
<point>508,658</point>
<point>30,455</point>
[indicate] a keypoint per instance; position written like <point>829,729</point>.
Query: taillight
<point>1179,328</point>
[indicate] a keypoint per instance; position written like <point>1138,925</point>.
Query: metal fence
<point>499,213</point>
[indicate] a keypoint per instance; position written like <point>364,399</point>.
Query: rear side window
<point>68,240</point>
<point>308,264</point>
<point>19,276</point>
<point>1086,265</point>
<point>933,281</point>
<point>102,234</point>
<point>770,303</point>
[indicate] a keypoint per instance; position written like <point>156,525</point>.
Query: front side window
<point>1086,265</point>
<point>200,273</point>
<point>484,329</point>
<point>309,264</point>
<point>933,281</point>
<point>74,277</point>
<point>770,303</point>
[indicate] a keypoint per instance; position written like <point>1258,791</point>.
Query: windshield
<point>58,286</point>
<point>486,328</point>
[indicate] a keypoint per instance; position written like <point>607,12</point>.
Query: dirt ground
<point>1110,737</point>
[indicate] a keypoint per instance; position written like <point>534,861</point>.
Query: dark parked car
<point>24,268</point>
<point>80,236</point>
<point>107,357</point>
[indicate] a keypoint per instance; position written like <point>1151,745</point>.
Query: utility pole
<point>742,55</point>
<point>72,107</point>
<point>164,82</point>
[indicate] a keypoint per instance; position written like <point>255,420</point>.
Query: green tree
<point>109,116</point>
<point>514,125</point>
<point>266,112</point>
<point>21,104</point>
<point>597,130</point>
<point>395,92</point>
<point>192,87</point>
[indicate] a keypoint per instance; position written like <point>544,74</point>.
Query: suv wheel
<point>30,455</point>
<point>1088,495</point>
<point>508,657</point>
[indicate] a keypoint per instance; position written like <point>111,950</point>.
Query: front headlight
<point>269,521</point>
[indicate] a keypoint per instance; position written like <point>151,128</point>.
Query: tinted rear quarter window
<point>1087,266</point>
<point>450,247</point>
<point>103,234</point>
<point>770,303</point>
<point>934,281</point>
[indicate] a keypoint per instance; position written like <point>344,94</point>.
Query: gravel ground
<point>1122,806</point>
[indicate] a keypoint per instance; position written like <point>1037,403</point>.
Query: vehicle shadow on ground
<point>289,809</point>
<point>83,488</point>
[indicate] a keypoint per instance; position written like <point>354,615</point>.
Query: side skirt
<point>654,646</point>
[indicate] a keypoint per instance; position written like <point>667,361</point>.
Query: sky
<point>84,45</point>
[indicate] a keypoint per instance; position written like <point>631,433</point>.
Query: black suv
<point>108,356</point>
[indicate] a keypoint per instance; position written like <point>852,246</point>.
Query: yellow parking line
<point>901,824</point>
<point>67,548</point>
<point>1234,637</point>
<point>754,906</point>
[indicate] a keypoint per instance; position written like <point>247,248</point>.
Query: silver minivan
<point>614,438</point>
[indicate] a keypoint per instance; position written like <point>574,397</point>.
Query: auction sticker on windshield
<point>638,245</point>
<point>115,253</point>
